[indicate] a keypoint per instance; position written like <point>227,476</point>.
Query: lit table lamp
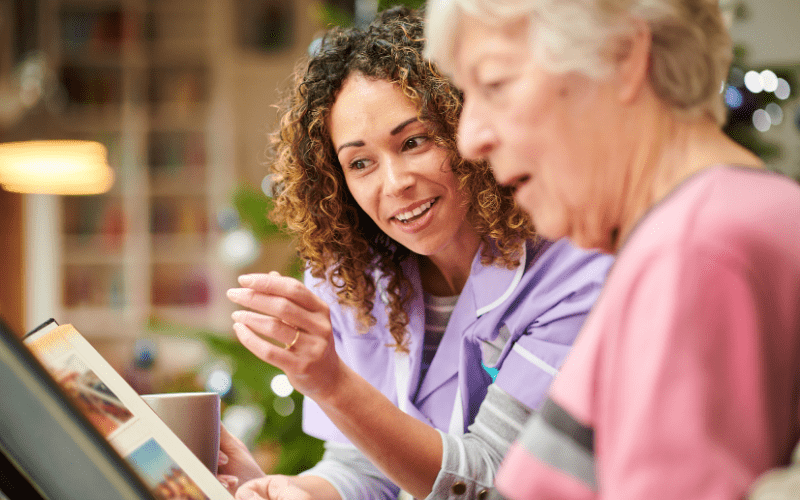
<point>55,167</point>
<point>36,155</point>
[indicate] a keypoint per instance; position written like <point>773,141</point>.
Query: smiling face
<point>538,130</point>
<point>395,171</point>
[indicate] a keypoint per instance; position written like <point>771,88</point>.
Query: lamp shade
<point>55,167</point>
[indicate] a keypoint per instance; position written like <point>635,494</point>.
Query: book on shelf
<point>142,455</point>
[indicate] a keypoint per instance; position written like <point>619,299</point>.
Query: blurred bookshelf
<point>137,75</point>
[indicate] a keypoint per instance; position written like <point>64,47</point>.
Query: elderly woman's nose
<point>475,138</point>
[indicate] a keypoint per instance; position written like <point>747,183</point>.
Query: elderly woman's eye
<point>493,86</point>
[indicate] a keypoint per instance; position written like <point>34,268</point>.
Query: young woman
<point>422,273</point>
<point>605,116</point>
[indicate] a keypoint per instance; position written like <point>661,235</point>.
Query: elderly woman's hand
<point>288,327</point>
<point>236,464</point>
<point>271,488</point>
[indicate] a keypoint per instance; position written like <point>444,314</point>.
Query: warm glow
<point>55,167</point>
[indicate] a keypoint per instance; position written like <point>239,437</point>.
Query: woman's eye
<point>492,87</point>
<point>415,142</point>
<point>358,164</point>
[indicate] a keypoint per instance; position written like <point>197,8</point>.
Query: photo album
<point>163,462</point>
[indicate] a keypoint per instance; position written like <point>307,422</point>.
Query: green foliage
<point>330,15</point>
<point>254,207</point>
<point>747,136</point>
<point>413,4</point>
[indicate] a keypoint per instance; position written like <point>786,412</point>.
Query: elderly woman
<point>604,116</point>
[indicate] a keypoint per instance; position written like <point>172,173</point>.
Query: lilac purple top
<point>520,321</point>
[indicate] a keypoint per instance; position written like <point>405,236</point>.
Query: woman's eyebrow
<point>356,144</point>
<point>394,131</point>
<point>403,125</point>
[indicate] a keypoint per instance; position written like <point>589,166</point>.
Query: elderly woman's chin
<point>556,224</point>
<point>552,218</point>
<point>552,224</point>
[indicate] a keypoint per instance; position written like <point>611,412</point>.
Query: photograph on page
<point>132,428</point>
<point>165,478</point>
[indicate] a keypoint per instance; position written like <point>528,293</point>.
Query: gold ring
<point>290,345</point>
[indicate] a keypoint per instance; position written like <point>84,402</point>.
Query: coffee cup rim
<point>180,394</point>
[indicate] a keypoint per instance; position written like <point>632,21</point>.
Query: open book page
<point>165,464</point>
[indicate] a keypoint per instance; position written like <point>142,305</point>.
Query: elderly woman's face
<point>534,127</point>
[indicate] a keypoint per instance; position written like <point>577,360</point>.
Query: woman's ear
<point>630,58</point>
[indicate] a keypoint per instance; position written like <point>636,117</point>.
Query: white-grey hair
<point>691,48</point>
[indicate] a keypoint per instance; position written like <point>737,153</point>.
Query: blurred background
<point>181,94</point>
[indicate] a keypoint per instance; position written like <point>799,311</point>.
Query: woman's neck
<point>446,273</point>
<point>671,151</point>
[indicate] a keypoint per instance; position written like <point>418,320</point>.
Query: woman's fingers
<point>288,327</point>
<point>280,307</point>
<point>267,326</point>
<point>283,286</point>
<point>311,364</point>
<point>284,299</point>
<point>266,351</point>
<point>271,488</point>
<point>229,482</point>
<point>228,443</point>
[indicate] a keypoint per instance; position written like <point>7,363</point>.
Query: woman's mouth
<point>415,214</point>
<point>518,182</point>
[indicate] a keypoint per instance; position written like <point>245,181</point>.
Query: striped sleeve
<point>352,474</point>
<point>470,461</point>
<point>556,439</point>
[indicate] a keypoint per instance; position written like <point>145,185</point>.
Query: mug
<point>194,418</point>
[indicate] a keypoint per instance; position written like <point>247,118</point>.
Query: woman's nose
<point>475,138</point>
<point>399,176</point>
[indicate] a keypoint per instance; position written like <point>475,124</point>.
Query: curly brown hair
<point>337,239</point>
